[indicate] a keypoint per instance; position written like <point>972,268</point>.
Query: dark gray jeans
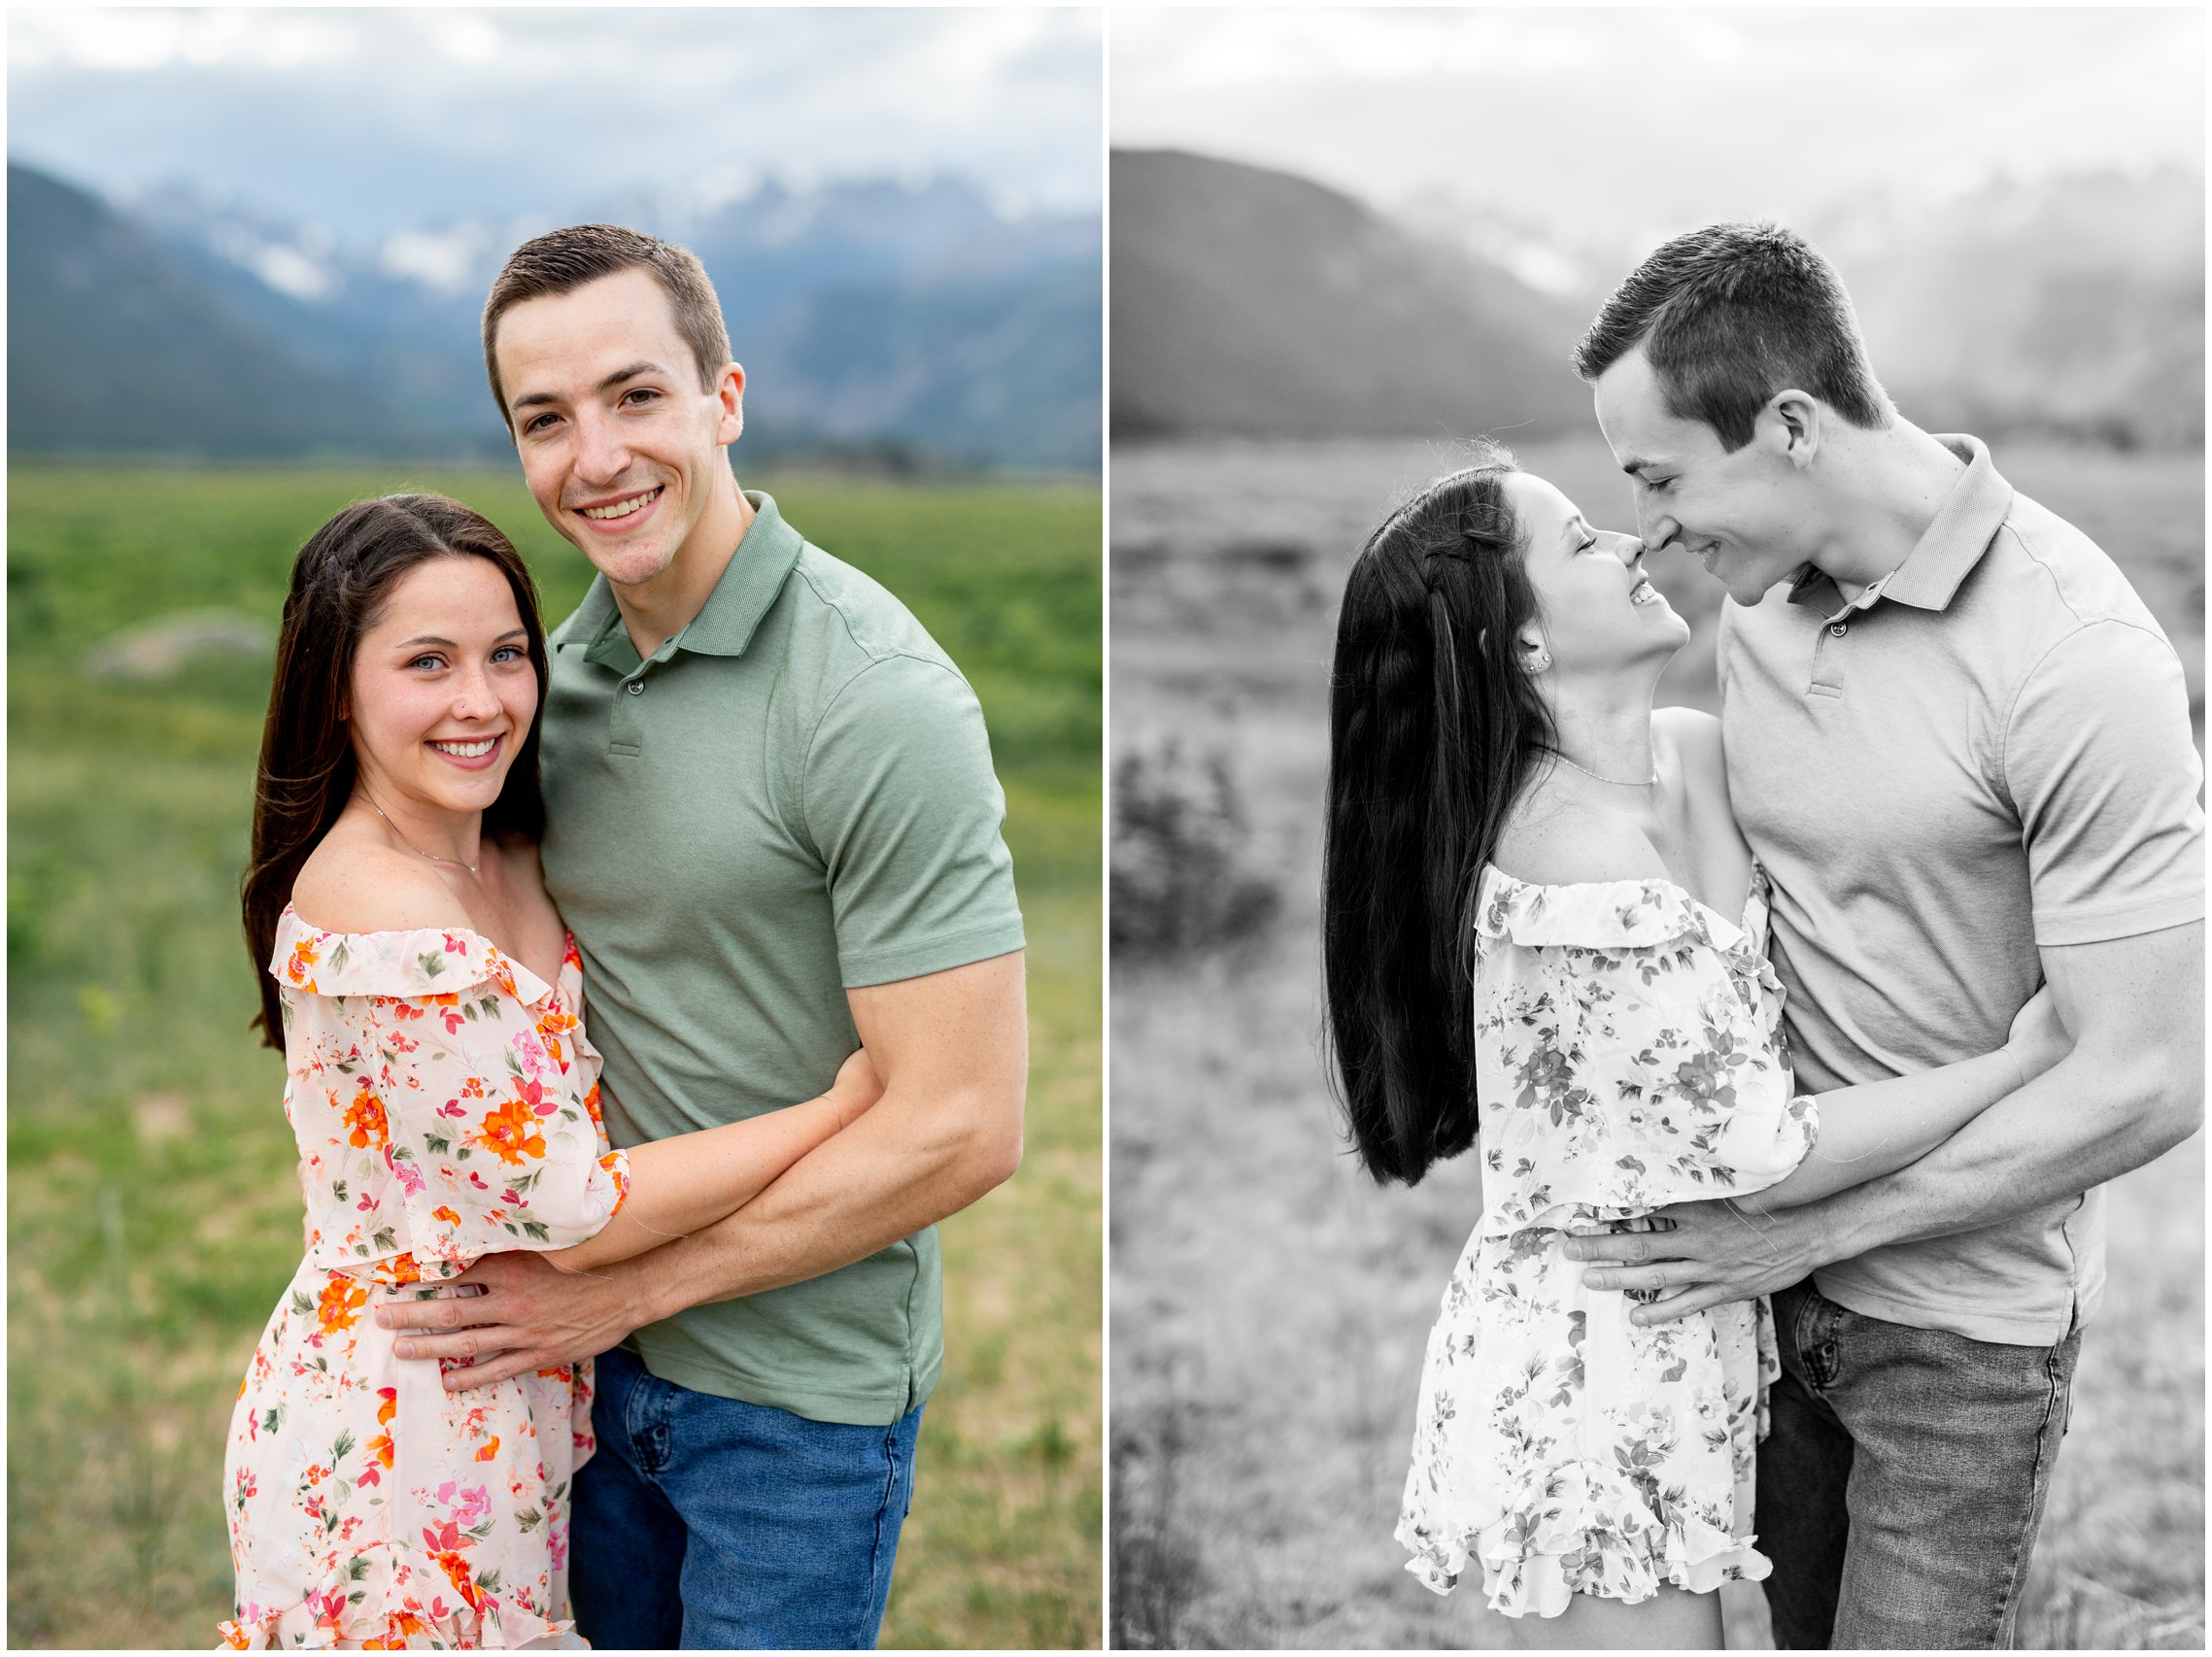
<point>1903,1478</point>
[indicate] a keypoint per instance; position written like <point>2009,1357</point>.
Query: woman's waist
<point>390,1269</point>
<point>1508,1220</point>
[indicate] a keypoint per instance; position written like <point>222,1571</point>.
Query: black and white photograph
<point>1656,1020</point>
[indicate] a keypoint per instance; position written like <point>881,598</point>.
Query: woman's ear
<point>1534,657</point>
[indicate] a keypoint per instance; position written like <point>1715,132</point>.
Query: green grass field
<point>153,1216</point>
<point>1269,1303</point>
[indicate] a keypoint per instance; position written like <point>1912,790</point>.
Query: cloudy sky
<point>377,119</point>
<point>1636,123</point>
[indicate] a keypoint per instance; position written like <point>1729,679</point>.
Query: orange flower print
<point>490,1450</point>
<point>591,1104</point>
<point>341,1299</point>
<point>380,1447</point>
<point>617,1165</point>
<point>456,1568</point>
<point>473,1088</point>
<point>366,1117</point>
<point>303,958</point>
<point>387,1409</point>
<point>510,1131</point>
<point>442,1212</point>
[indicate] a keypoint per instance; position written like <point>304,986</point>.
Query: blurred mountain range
<point>878,322</point>
<point>1253,302</point>
<point>1248,301</point>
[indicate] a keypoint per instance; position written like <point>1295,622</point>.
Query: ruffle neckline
<point>1620,914</point>
<point>1537,1569</point>
<point>421,961</point>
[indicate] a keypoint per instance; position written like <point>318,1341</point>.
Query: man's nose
<point>1658,528</point>
<point>601,453</point>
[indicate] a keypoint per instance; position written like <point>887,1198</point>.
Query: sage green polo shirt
<point>1989,756</point>
<point>791,798</point>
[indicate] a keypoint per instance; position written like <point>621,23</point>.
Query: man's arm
<point>2134,1087</point>
<point>953,1050</point>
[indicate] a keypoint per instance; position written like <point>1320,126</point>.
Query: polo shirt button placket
<point>627,737</point>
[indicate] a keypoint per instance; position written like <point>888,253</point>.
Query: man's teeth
<point>467,749</point>
<point>623,508</point>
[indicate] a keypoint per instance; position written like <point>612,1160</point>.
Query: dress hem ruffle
<point>1541,1573</point>
<point>396,1621</point>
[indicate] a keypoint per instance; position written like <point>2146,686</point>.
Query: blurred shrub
<point>1186,874</point>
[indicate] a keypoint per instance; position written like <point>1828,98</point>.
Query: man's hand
<point>1714,1252</point>
<point>526,1316</point>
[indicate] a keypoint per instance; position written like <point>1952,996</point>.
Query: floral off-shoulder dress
<point>1630,1054</point>
<point>446,1106</point>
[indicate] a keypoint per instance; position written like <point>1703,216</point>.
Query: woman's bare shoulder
<point>355,883</point>
<point>1695,733</point>
<point>1553,842</point>
<point>1696,739</point>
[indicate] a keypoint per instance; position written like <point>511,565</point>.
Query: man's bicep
<point>2137,1005</point>
<point>964,1027</point>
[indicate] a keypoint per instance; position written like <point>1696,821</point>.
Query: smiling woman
<point>361,1493</point>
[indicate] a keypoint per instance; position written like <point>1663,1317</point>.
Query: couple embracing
<point>743,800</point>
<point>1795,1044</point>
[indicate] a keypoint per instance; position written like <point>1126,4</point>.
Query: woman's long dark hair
<point>1434,726</point>
<point>339,584</point>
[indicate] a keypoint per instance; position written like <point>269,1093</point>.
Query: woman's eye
<point>427,662</point>
<point>509,653</point>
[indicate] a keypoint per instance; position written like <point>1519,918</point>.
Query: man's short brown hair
<point>1729,316</point>
<point>562,262</point>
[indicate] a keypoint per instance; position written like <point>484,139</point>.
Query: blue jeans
<point>1903,1478</point>
<point>707,1523</point>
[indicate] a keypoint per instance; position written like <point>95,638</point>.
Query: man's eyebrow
<point>533,398</point>
<point>631,373</point>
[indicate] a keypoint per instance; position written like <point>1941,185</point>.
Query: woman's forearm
<point>687,1183</point>
<point>1877,1129</point>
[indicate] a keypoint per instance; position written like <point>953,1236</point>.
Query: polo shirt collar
<point>1964,525</point>
<point>727,622</point>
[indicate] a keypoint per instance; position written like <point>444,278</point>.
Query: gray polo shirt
<point>792,798</point>
<point>1990,753</point>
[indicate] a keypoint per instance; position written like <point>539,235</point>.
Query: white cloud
<point>385,120</point>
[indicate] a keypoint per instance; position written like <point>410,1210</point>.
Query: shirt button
<point>1835,630</point>
<point>636,686</point>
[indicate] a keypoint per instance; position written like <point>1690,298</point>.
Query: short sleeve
<point>2101,770</point>
<point>488,1146</point>
<point>899,796</point>
<point>1637,1034</point>
<point>455,1081</point>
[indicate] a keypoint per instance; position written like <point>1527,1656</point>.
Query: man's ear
<point>731,389</point>
<point>1790,425</point>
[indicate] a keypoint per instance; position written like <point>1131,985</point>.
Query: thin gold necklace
<point>1614,781</point>
<point>474,868</point>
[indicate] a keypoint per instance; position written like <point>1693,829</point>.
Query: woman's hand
<point>856,1088</point>
<point>2038,1040</point>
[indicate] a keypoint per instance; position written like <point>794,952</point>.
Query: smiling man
<point>1961,747</point>
<point>773,828</point>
